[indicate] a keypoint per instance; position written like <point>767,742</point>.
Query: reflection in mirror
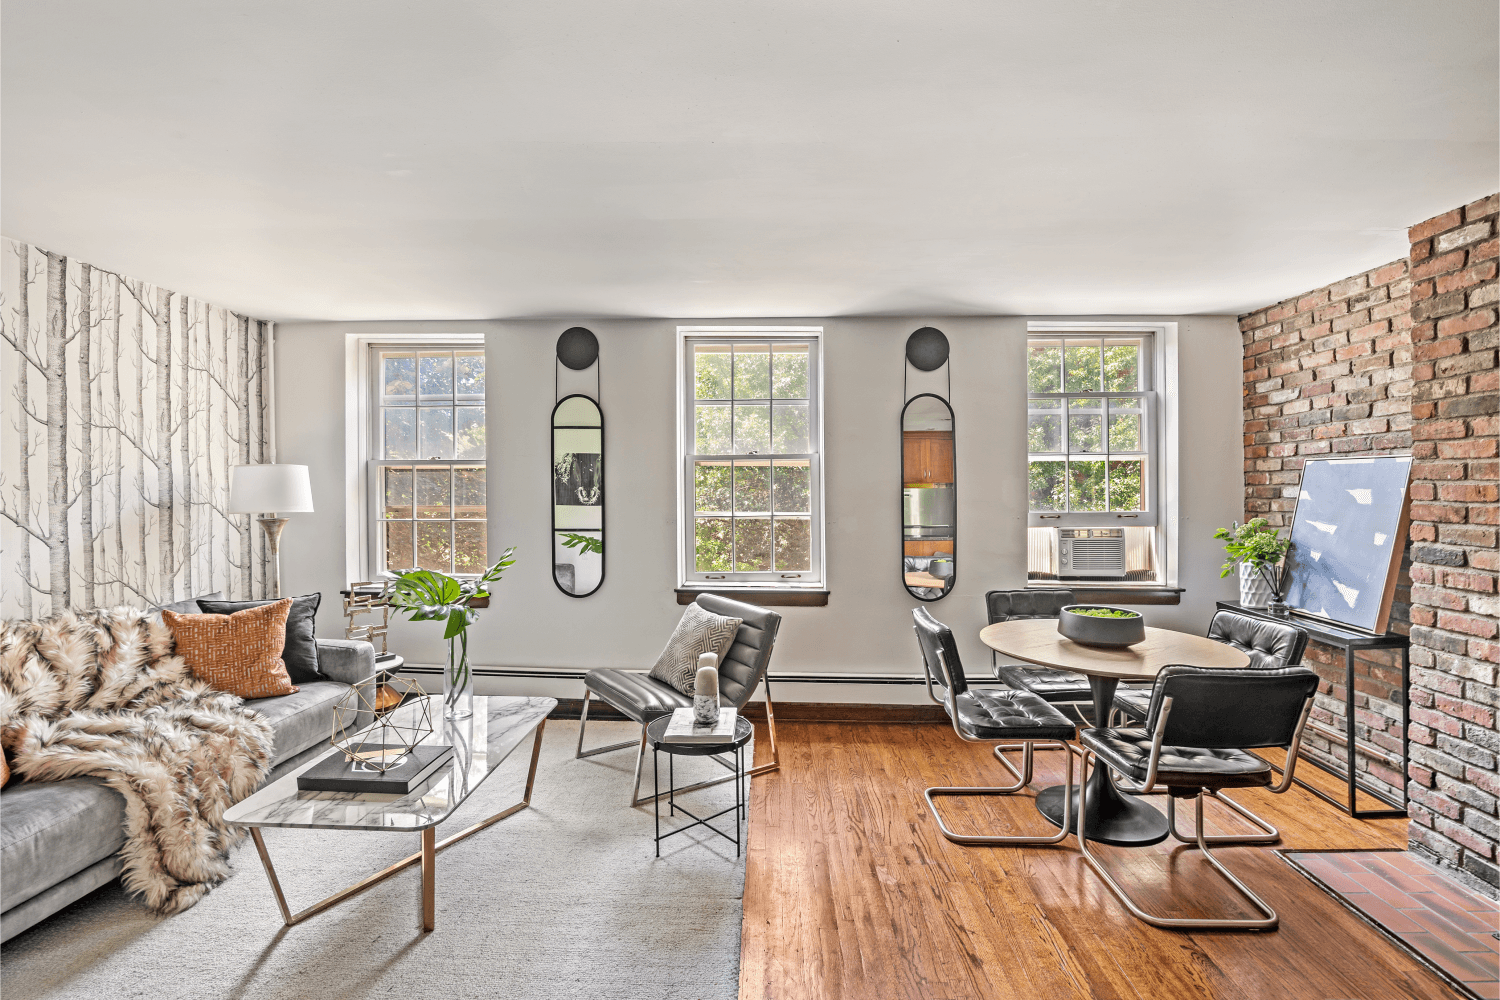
<point>577,496</point>
<point>928,522</point>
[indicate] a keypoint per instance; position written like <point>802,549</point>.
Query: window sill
<point>1115,593</point>
<point>784,597</point>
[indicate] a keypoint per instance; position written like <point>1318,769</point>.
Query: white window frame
<point>689,577</point>
<point>1162,420</point>
<point>362,437</point>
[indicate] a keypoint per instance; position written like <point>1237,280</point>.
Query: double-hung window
<point>1092,459</point>
<point>427,471</point>
<point>751,465</point>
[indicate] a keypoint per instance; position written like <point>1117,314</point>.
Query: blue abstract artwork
<point>1347,538</point>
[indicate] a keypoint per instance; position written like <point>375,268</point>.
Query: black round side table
<point>655,732</point>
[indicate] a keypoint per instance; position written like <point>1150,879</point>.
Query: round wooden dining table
<point>1113,818</point>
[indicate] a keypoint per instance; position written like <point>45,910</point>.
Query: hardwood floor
<point>852,892</point>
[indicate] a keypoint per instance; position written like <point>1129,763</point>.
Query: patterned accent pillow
<point>699,632</point>
<point>238,653</point>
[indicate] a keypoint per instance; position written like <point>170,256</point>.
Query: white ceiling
<point>388,159</point>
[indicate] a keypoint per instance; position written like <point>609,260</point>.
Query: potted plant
<point>1101,625</point>
<point>1257,549</point>
<point>428,596</point>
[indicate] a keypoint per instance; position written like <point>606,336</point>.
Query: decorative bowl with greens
<point>1101,625</point>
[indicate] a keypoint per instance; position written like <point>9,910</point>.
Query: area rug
<point>564,899</point>
<point>1443,924</point>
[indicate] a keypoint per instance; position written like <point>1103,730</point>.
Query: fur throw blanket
<point>101,693</point>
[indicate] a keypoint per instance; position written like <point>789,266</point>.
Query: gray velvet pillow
<point>300,654</point>
<point>699,632</point>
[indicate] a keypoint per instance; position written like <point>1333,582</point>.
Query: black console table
<point>1350,640</point>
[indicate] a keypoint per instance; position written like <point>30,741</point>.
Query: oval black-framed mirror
<point>929,521</point>
<point>577,495</point>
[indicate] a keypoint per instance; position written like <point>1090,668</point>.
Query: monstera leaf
<point>427,596</point>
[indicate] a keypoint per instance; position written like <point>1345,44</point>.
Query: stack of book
<point>361,772</point>
<point>682,729</point>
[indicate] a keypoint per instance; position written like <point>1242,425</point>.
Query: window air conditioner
<point>1090,552</point>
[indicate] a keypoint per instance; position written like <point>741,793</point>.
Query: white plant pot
<point>1255,592</point>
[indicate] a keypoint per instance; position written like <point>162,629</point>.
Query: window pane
<point>468,439</point>
<point>789,487</point>
<point>712,544</point>
<point>468,491</point>
<point>399,377</point>
<point>434,546</point>
<point>711,487</point>
<point>1124,425</point>
<point>398,536</point>
<point>752,429</point>
<point>1125,491</point>
<point>1044,366</point>
<point>752,371</point>
<point>1047,485</point>
<point>790,429</point>
<point>711,431</point>
<point>752,487</point>
<point>400,432</point>
<point>1086,486</point>
<point>1084,424</point>
<point>789,371</point>
<point>469,374</point>
<point>436,438</point>
<point>711,371</point>
<point>1044,430</point>
<point>436,375</point>
<point>752,544</point>
<point>793,544</point>
<point>1082,366</point>
<point>1122,366</point>
<point>468,547</point>
<point>397,492</point>
<point>432,493</point>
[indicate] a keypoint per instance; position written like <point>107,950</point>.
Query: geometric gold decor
<point>384,744</point>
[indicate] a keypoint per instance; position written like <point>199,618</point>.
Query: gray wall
<point>866,626</point>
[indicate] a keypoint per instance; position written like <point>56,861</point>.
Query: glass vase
<point>458,679</point>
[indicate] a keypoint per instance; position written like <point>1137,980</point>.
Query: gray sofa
<point>60,840</point>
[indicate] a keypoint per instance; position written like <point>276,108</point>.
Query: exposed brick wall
<point>1403,358</point>
<point>1454,786</point>
<point>1328,372</point>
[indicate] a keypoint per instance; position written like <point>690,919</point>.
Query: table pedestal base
<point>1113,818</point>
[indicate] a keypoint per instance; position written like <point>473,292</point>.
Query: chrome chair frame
<point>636,799</point>
<point>1023,777</point>
<point>1270,921</point>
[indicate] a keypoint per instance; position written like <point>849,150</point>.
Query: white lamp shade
<point>255,489</point>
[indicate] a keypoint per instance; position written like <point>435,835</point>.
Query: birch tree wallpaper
<point>123,406</point>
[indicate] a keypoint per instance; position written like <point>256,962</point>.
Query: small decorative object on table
<point>706,690</point>
<point>685,727</point>
<point>426,595</point>
<point>1100,625</point>
<point>1257,549</point>
<point>388,757</point>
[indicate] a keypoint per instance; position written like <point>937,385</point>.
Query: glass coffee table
<point>480,744</point>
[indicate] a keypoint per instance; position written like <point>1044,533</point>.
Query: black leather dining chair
<point>1270,646</point>
<point>986,715</point>
<point>1060,687</point>
<point>1199,724</point>
<point>644,699</point>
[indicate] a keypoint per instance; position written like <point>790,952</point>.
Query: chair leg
<point>1270,836</point>
<point>1172,923</point>
<point>1023,780</point>
<point>583,722</point>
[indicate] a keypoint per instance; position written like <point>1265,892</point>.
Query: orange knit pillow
<point>238,653</point>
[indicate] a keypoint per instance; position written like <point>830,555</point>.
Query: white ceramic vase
<point>1255,592</point>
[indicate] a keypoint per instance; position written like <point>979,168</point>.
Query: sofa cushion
<point>302,719</point>
<point>300,652</point>
<point>50,830</point>
<point>238,653</point>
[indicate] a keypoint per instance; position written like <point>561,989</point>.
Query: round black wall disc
<point>578,348</point>
<point>927,349</point>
